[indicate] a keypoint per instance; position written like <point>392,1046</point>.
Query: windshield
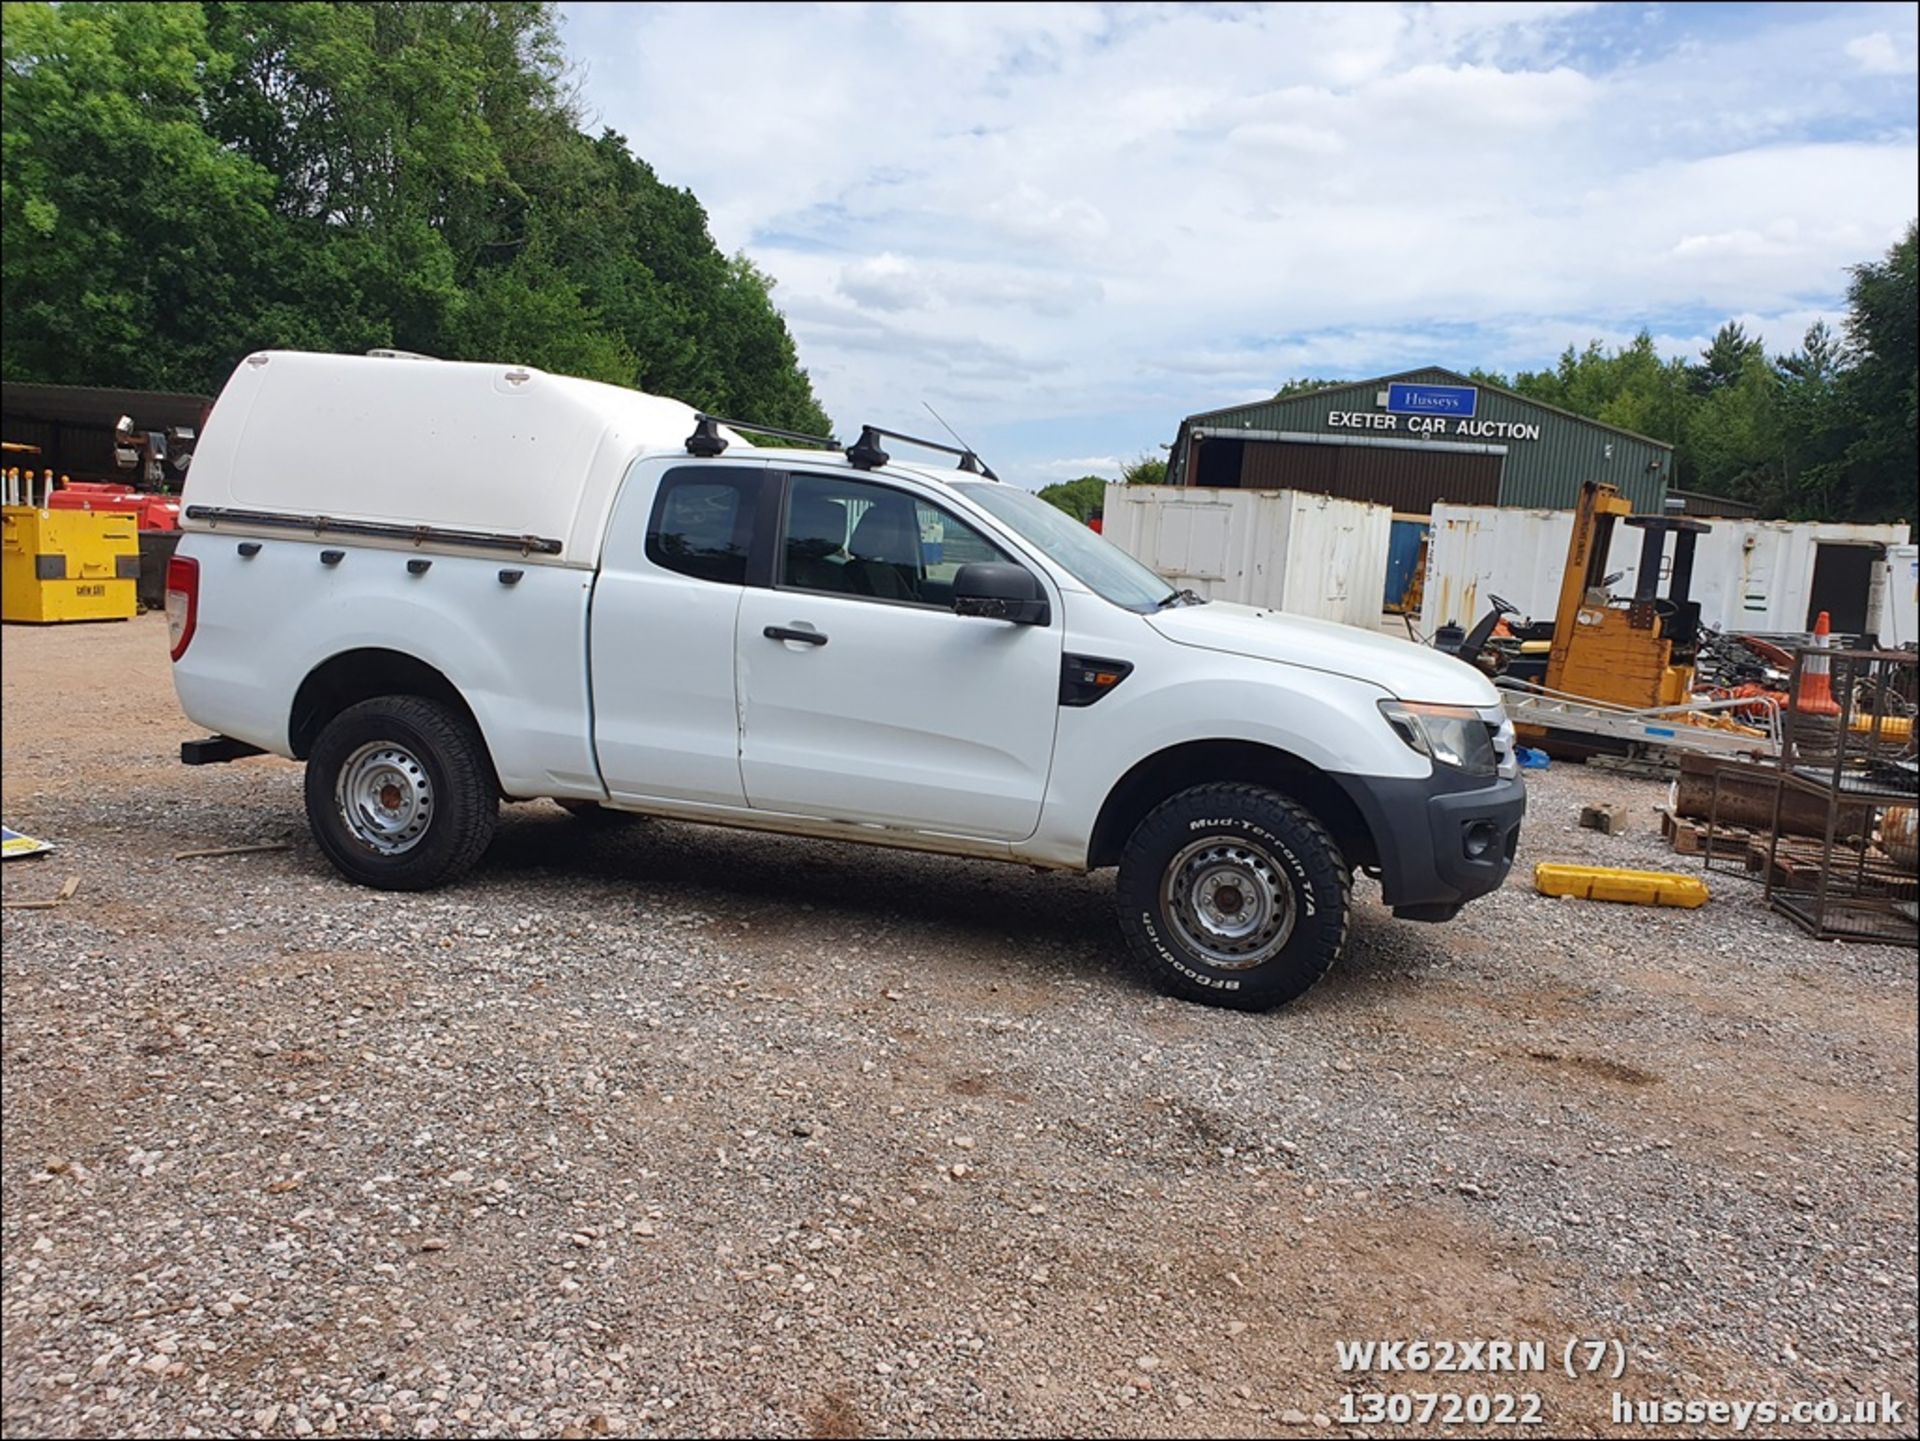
<point>1102,567</point>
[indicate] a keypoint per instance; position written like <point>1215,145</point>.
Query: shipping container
<point>1768,576</point>
<point>1900,617</point>
<point>1307,554</point>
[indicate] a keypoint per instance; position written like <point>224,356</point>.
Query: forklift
<point>1639,654</point>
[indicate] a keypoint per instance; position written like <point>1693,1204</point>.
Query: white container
<point>1748,575</point>
<point>1900,615</point>
<point>1758,575</point>
<point>1477,551</point>
<point>1283,549</point>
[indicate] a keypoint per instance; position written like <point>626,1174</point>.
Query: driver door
<point>900,714</point>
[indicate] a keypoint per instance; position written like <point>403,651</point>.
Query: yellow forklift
<point>1639,654</point>
<point>1636,654</point>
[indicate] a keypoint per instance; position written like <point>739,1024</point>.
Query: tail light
<point>183,602</point>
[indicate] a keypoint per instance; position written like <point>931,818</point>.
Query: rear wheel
<point>400,793</point>
<point>1234,895</point>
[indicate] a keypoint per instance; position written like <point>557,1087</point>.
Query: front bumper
<point>1442,841</point>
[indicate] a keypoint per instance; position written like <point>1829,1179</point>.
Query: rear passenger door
<point>677,559</point>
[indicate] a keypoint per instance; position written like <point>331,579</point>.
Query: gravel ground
<point>666,1130</point>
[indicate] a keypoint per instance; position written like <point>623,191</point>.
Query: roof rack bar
<point>866,453</point>
<point>706,439</point>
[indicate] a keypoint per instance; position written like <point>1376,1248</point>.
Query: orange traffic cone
<point>1816,686</point>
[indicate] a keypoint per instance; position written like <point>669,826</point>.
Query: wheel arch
<point>352,676</point>
<point>1191,763</point>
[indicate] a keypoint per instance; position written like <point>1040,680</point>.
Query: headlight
<point>1452,735</point>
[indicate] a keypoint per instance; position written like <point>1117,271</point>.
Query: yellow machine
<point>60,565</point>
<point>1639,654</point>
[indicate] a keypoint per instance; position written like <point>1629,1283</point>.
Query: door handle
<point>784,632</point>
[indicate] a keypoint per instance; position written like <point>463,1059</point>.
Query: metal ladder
<point>1655,726</point>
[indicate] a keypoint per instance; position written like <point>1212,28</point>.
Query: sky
<point>1066,227</point>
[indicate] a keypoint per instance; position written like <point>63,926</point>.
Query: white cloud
<point>885,282</point>
<point>1276,135</point>
<point>1068,226</point>
<point>1072,469</point>
<point>1878,55</point>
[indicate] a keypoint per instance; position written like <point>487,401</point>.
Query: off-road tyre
<point>1244,842</point>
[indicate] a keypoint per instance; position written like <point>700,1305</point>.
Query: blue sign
<point>1432,400</point>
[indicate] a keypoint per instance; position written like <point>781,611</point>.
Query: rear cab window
<point>704,521</point>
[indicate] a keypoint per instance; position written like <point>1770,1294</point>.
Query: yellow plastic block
<point>1604,883</point>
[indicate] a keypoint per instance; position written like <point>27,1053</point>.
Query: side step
<point>216,750</point>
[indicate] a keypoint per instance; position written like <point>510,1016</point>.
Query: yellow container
<point>1604,883</point>
<point>59,565</point>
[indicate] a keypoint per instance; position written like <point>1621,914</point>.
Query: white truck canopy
<point>392,442</point>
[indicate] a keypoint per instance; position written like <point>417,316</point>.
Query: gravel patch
<point>666,1130</point>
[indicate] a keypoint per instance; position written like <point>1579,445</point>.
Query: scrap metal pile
<point>1828,825</point>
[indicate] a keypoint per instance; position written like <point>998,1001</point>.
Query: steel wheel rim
<point>385,797</point>
<point>1229,901</point>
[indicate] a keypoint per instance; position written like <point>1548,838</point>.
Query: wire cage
<point>1848,747</point>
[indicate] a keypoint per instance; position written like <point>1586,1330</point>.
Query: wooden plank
<point>231,851</point>
<point>65,894</point>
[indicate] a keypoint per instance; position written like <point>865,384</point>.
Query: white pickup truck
<point>446,585</point>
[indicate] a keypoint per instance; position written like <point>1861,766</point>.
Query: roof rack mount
<point>707,440</point>
<point>865,453</point>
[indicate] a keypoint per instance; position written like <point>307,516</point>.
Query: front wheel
<point>400,793</point>
<point>1234,895</point>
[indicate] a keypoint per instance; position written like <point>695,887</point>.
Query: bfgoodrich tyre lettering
<point>1234,895</point>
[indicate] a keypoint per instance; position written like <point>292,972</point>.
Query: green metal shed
<point>1416,438</point>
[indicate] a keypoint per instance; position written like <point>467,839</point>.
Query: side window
<point>852,537</point>
<point>702,523</point>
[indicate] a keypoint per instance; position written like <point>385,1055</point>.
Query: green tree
<point>1145,470</point>
<point>1082,499</point>
<point>1726,359</point>
<point>132,235</point>
<point>185,183</point>
<point>1880,390</point>
<point>1814,425</point>
<point>1733,437</point>
<point>1301,387</point>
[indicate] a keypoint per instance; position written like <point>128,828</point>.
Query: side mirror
<point>998,591</point>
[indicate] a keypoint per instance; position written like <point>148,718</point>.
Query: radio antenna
<point>985,469</point>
